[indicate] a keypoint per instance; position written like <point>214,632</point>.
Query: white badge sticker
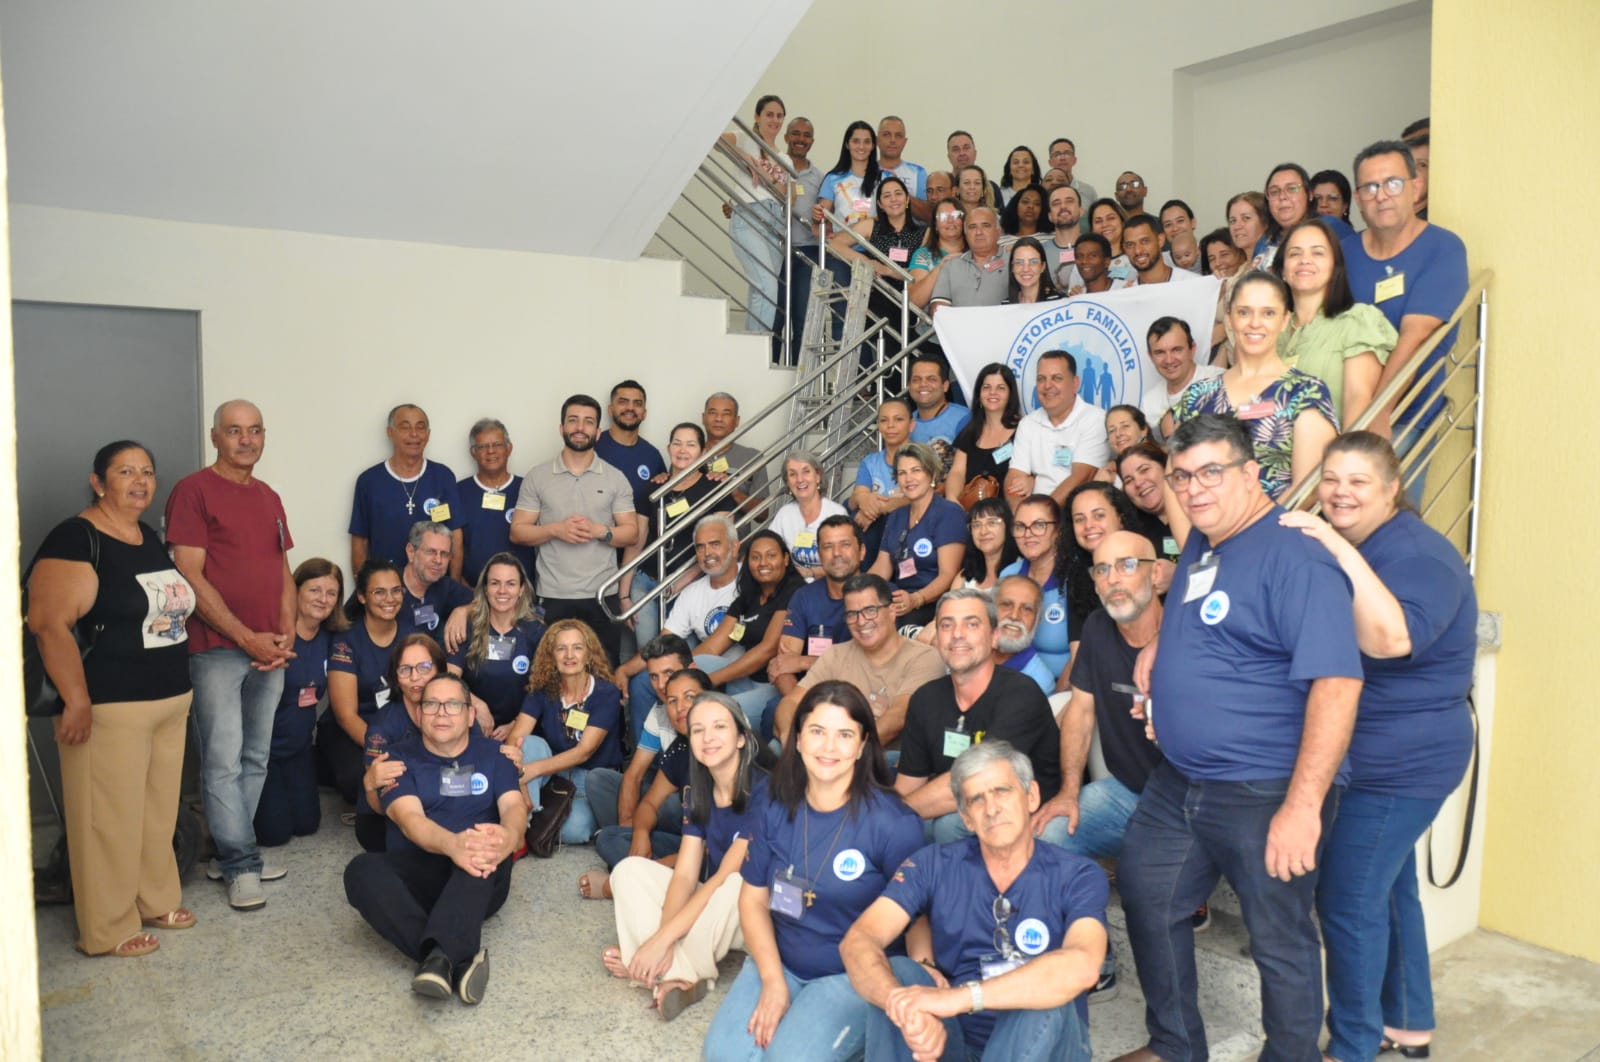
<point>1214,609</point>
<point>1032,936</point>
<point>1200,579</point>
<point>849,864</point>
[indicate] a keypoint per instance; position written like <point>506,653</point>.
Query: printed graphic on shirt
<point>170,602</point>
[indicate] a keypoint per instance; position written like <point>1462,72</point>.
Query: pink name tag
<point>1256,410</point>
<point>308,697</point>
<point>899,254</point>
<point>1068,256</point>
<point>816,646</point>
<point>908,568</point>
<point>862,205</point>
<point>990,267</point>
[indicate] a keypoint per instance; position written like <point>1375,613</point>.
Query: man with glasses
<point>885,667</point>
<point>1063,157</point>
<point>976,702</point>
<point>1018,932</point>
<point>429,598</point>
<point>1413,271</point>
<point>1018,604</point>
<point>456,814</point>
<point>1063,442</point>
<point>1253,697</point>
<point>488,498</point>
<point>1132,192</point>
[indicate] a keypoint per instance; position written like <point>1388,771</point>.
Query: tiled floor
<point>305,978</point>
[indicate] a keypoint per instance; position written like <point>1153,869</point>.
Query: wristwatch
<point>975,989</point>
<point>606,538</point>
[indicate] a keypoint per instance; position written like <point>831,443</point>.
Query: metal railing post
<point>1477,431</point>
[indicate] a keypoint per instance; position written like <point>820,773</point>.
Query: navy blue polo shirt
<point>604,709</point>
<point>944,523</point>
<point>1236,662</point>
<point>491,776</point>
<point>639,464</point>
<point>305,681</point>
<point>427,614</point>
<point>501,677</point>
<point>725,825</point>
<point>389,730</point>
<point>354,653</point>
<point>813,614</point>
<point>379,512</point>
<point>486,526</point>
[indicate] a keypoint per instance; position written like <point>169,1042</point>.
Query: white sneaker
<point>245,894</point>
<point>269,871</point>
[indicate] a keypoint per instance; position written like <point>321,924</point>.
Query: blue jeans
<point>825,1021</point>
<point>1372,919</point>
<point>1056,1035</point>
<point>1104,808</point>
<point>614,840</point>
<point>647,621</point>
<point>1183,836</point>
<point>580,826</point>
<point>234,705</point>
<point>641,698</point>
<point>753,694</point>
<point>756,230</point>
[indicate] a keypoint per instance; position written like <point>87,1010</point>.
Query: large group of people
<point>917,668</point>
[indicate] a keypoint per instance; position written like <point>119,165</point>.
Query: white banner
<point>1104,333</point>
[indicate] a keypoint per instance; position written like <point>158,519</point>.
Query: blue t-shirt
<point>844,859</point>
<point>875,474</point>
<point>813,614</point>
<point>944,523</point>
<point>380,512</point>
<point>1051,639</point>
<point>1237,659</point>
<point>951,885</point>
<point>486,526</point>
<point>305,680</point>
<point>1434,281</point>
<point>604,710</point>
<point>1413,733</point>
<point>389,730</point>
<point>638,464</point>
<point>501,678</point>
<point>481,769</point>
<point>940,432</point>
<point>1031,664</point>
<point>354,653</point>
<point>427,614</point>
<point>726,825</point>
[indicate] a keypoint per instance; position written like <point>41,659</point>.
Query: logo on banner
<point>1111,365</point>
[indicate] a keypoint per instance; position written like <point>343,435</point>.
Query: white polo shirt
<point>1048,451</point>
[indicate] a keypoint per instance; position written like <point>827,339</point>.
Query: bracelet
<point>975,989</point>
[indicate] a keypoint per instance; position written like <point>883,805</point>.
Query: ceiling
<point>564,128</point>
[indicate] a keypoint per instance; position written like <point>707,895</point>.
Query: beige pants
<point>121,793</point>
<point>640,888</point>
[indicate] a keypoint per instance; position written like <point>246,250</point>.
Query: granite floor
<point>305,978</point>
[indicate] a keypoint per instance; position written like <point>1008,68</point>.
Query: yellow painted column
<point>1515,160</point>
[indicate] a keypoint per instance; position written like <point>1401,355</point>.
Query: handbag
<point>40,698</point>
<point>978,488</point>
<point>544,828</point>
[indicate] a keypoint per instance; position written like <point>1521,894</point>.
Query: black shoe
<point>474,978</point>
<point>432,978</point>
<point>1200,921</point>
<point>1419,1051</point>
<point>1104,989</point>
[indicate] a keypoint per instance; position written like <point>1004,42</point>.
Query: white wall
<point>1101,72</point>
<point>327,333</point>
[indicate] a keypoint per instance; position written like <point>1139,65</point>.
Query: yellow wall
<point>1516,102</point>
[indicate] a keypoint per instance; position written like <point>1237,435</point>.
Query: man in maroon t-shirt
<point>229,537</point>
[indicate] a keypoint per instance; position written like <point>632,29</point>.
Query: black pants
<point>419,901</point>
<point>289,806</point>
<point>589,611</point>
<point>345,761</point>
<point>372,831</point>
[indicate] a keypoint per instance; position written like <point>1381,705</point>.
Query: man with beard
<point>579,511</point>
<point>1143,242</point>
<point>1017,601</point>
<point>1060,249</point>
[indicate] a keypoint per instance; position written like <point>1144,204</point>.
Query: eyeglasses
<point>1209,476</point>
<point>1123,186</point>
<point>950,216</point>
<point>1002,911</point>
<point>444,707</point>
<point>856,615</point>
<point>1125,565</point>
<point>407,670</point>
<point>1390,185</point>
<point>987,523</point>
<point>1038,527</point>
<point>1026,263</point>
<point>1285,192</point>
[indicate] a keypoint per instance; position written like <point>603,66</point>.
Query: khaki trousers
<point>121,793</point>
<point>640,888</point>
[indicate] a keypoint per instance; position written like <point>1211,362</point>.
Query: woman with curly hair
<point>578,711</point>
<point>1094,510</point>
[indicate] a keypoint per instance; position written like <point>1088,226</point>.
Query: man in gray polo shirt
<point>977,277</point>
<point>573,510</point>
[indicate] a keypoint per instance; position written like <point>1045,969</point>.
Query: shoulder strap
<point>1472,806</point>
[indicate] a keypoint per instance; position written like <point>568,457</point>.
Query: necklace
<point>808,895</point>
<point>411,497</point>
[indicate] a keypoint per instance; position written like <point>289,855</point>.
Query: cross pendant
<point>411,507</point>
<point>809,896</point>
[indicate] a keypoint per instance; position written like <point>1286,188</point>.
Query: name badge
<point>898,254</point>
<point>1067,257</point>
<point>805,539</point>
<point>1256,410</point>
<point>1002,453</point>
<point>720,464</point>
<point>424,616</point>
<point>956,742</point>
<point>990,267</point>
<point>577,719</point>
<point>455,781</point>
<point>1063,457</point>
<point>440,513</point>
<point>1390,287</point>
<point>816,646</point>
<point>1120,272</point>
<point>381,696</point>
<point>860,205</point>
<point>1169,546</point>
<point>308,697</point>
<point>993,965</point>
<point>500,647</point>
<point>1201,576</point>
<point>737,634</point>
<point>497,502</point>
<point>681,506</point>
<point>908,567</point>
<point>789,895</point>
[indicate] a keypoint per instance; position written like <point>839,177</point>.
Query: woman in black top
<point>105,575</point>
<point>753,624</point>
<point>685,446</point>
<point>983,447</point>
<point>1093,510</point>
<point>1030,280</point>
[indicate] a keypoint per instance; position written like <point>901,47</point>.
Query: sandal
<point>1404,1050</point>
<point>141,943</point>
<point>611,959</point>
<point>595,885</point>
<point>673,996</point>
<point>182,918</point>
